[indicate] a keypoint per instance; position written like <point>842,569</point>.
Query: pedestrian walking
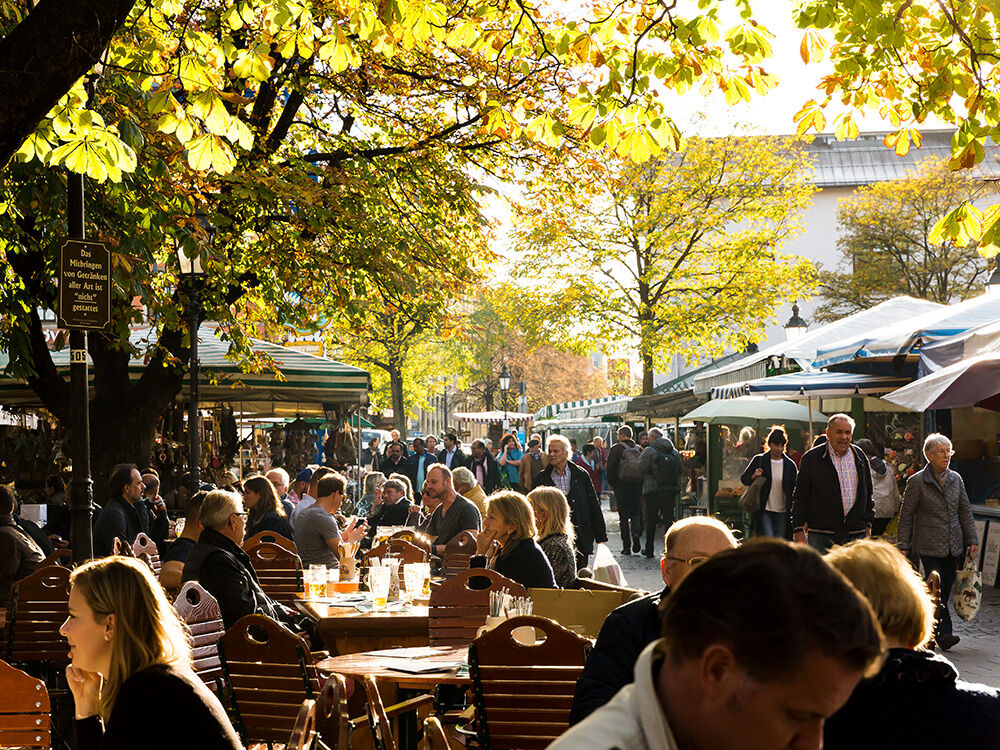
<point>779,472</point>
<point>661,467</point>
<point>625,476</point>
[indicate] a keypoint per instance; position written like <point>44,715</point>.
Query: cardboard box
<point>581,611</point>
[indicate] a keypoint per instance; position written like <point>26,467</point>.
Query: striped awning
<point>486,417</point>
<point>304,378</point>
<point>812,383</point>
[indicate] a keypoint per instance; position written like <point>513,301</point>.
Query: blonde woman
<point>507,542</point>
<point>555,532</point>
<point>130,661</point>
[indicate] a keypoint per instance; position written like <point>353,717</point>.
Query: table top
<point>322,610</point>
<point>357,666</point>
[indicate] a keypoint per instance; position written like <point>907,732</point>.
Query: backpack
<point>629,469</point>
<point>667,468</point>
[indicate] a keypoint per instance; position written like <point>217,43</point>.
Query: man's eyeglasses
<point>691,562</point>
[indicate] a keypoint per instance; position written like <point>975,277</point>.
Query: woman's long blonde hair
<point>514,508</point>
<point>147,630</point>
<point>553,502</point>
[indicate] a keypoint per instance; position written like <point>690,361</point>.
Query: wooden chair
<point>120,547</point>
<point>271,537</point>
<point>523,694</point>
<point>267,674</point>
<point>434,736</point>
<point>406,552</point>
<point>24,710</point>
<point>332,717</point>
<point>62,557</point>
<point>200,611</point>
<point>457,553</point>
<point>457,610</point>
<point>143,545</point>
<point>278,569</point>
<point>304,731</point>
<point>37,609</point>
<point>414,537</point>
<point>379,716</point>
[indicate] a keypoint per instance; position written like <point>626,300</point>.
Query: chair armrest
<point>409,705</point>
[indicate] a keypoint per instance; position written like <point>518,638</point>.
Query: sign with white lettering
<point>84,285</point>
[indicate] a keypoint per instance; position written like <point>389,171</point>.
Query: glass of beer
<point>316,581</point>
<point>413,580</point>
<point>425,570</point>
<point>332,578</point>
<point>379,580</point>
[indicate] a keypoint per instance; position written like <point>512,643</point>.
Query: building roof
<point>866,159</point>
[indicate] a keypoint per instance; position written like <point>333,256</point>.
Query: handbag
<point>968,589</point>
<point>606,568</point>
<point>749,501</point>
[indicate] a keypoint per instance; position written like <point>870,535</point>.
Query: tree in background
<point>677,255</point>
<point>887,246</point>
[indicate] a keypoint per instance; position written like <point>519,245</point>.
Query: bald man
<point>633,626</point>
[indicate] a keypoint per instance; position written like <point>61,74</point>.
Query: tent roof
<point>812,383</point>
<point>492,416</point>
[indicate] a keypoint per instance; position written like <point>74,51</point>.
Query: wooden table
<point>346,631</point>
<point>356,666</point>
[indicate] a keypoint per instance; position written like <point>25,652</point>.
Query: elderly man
<point>279,478</point>
<point>394,510</point>
<point>633,626</point>
<point>317,535</point>
<point>219,564</point>
<point>177,553</point>
<point>584,506</point>
<point>453,515</point>
<point>467,487</point>
<point>754,667</point>
<point>832,500</point>
<point>19,555</point>
<point>120,517</point>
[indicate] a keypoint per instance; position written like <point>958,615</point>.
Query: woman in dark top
<point>779,472</point>
<point>129,655</point>
<point>264,510</point>
<point>507,543</point>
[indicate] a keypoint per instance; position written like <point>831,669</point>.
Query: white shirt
<point>776,498</point>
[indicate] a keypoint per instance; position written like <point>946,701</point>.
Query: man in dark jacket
<point>584,506</point>
<point>19,555</point>
<point>661,467</point>
<point>394,509</point>
<point>452,454</point>
<point>219,564</point>
<point>832,502</point>
<point>633,626</point>
<point>484,467</point>
<point>417,465</point>
<point>625,478</point>
<point>393,461</point>
<point>121,517</point>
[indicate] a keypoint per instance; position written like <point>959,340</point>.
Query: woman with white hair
<point>935,522</point>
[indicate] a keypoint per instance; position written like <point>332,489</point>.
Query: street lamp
<point>504,387</point>
<point>192,279</point>
<point>993,285</point>
<point>796,327</point>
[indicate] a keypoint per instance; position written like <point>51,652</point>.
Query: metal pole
<point>81,487</point>
<point>194,418</point>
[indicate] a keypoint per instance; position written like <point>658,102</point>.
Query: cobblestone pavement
<point>977,656</point>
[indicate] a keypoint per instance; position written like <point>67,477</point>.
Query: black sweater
<point>190,716</point>
<point>525,564</point>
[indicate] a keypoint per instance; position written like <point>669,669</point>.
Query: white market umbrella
<point>750,410</point>
<point>970,382</point>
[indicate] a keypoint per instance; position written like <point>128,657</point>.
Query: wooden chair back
<point>120,547</point>
<point>271,537</point>
<point>457,610</point>
<point>434,736</point>
<point>406,552</point>
<point>24,710</point>
<point>457,553</point>
<point>38,607</point>
<point>414,537</point>
<point>381,728</point>
<point>143,545</point>
<point>278,569</point>
<point>265,667</point>
<point>304,731</point>
<point>332,716</point>
<point>62,557</point>
<point>523,694</point>
<point>200,611</point>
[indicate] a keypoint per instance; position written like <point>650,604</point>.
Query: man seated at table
<point>219,564</point>
<point>317,534</point>
<point>19,555</point>
<point>760,645</point>
<point>454,515</point>
<point>394,509</point>
<point>177,553</point>
<point>633,626</point>
<point>310,497</point>
<point>467,486</point>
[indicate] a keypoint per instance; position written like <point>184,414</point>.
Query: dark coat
<point>389,515</point>
<point>762,461</point>
<point>118,519</point>
<point>816,501</point>
<point>38,536</point>
<point>273,522</point>
<point>916,701</point>
<point>411,470</point>
<point>525,564</point>
<point>584,506</point>
<point>615,459</point>
<point>387,467</point>
<point>492,472</point>
<point>158,524</point>
<point>611,663</point>
<point>226,573</point>
<point>196,719</point>
<point>461,458</point>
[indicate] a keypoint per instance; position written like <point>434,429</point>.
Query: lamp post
<point>193,282</point>
<point>504,387</point>
<point>796,327</point>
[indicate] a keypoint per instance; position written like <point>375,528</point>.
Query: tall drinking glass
<point>316,581</point>
<point>379,580</point>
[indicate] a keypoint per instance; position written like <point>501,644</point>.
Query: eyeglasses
<point>691,562</point>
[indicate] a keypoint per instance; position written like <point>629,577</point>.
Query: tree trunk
<point>119,435</point>
<point>395,370</point>
<point>647,374</point>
